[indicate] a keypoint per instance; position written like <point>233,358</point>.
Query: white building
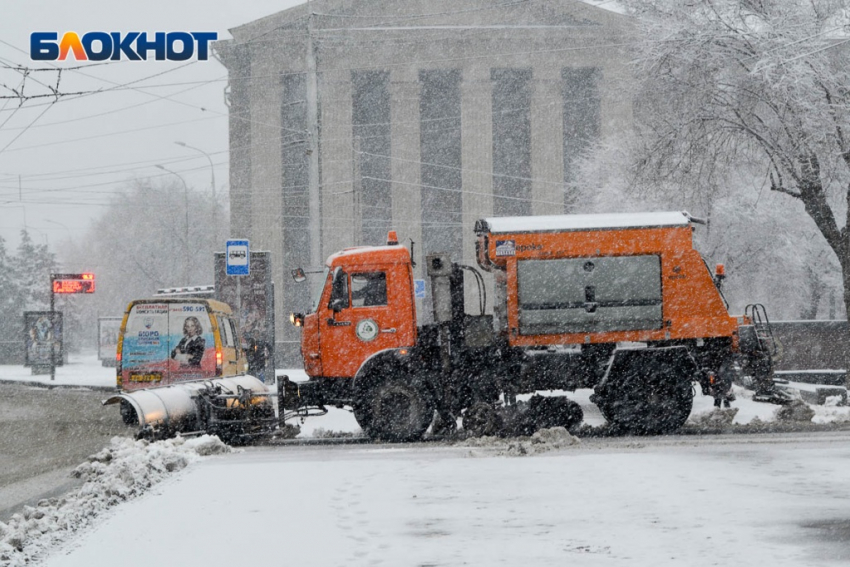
<point>429,114</point>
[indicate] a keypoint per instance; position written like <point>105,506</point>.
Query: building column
<point>238,62</point>
<point>266,174</point>
<point>547,142</point>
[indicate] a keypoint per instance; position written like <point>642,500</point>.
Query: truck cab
<point>363,305</point>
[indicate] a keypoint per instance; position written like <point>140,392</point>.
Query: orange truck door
<point>360,319</point>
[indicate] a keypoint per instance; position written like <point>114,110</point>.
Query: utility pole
<point>312,88</point>
<point>187,258</point>
<point>212,187</point>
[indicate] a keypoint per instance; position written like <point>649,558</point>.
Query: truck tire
<point>400,412</point>
<point>481,419</point>
<point>649,392</point>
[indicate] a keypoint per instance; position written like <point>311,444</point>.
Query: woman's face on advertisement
<point>189,328</point>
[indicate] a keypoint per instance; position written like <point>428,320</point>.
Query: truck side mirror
<point>339,291</point>
<point>298,275</point>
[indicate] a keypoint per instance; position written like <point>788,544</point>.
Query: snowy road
<point>721,500</point>
<point>43,434</point>
<point>676,500</point>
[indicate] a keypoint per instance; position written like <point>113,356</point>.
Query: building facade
<point>349,118</point>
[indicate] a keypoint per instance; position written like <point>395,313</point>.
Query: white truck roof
<point>549,223</point>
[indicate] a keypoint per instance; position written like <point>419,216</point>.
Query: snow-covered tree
<point>11,318</point>
<point>32,266</point>
<point>754,85</point>
<point>139,244</point>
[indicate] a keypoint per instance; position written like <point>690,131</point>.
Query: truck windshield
<point>318,287</point>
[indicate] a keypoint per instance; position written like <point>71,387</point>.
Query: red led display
<point>73,283</point>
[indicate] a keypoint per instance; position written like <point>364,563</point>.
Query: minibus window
<point>224,324</point>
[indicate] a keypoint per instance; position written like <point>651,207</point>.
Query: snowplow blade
<point>236,409</point>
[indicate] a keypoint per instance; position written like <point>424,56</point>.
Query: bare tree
<point>757,84</point>
<point>139,245</point>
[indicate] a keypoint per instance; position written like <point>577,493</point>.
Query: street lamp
<point>212,185</point>
<point>70,236</point>
<point>186,237</point>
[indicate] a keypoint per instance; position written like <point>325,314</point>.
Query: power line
<point>467,191</point>
<point>77,188</point>
<point>466,170</point>
<point>108,112</point>
<point>138,164</point>
<point>118,86</point>
<point>21,133</point>
<point>110,134</point>
<point>466,123</point>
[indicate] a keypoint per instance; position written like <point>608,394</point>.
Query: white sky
<point>78,153</point>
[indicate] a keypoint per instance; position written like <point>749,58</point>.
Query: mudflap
<point>647,390</point>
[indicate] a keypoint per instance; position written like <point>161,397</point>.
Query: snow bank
<point>83,370</point>
<point>541,442</point>
<point>832,411</point>
<point>714,418</point>
<point>120,472</point>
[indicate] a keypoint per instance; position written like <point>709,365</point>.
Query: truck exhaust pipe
<point>237,409</point>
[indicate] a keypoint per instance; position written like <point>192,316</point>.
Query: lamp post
<point>186,234</point>
<point>212,185</point>
<point>68,230</point>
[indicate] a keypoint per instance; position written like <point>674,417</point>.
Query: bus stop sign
<point>238,258</point>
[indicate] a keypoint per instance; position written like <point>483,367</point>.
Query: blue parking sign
<point>238,258</point>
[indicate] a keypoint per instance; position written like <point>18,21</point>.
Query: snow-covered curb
<point>120,472</point>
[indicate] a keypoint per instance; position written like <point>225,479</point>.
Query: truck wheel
<point>482,419</point>
<point>400,412</point>
<point>660,404</point>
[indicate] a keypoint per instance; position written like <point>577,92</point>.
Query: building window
<point>511,141</point>
<point>372,149</point>
<point>581,120</point>
<point>440,151</point>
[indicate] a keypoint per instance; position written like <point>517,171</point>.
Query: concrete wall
<point>811,345</point>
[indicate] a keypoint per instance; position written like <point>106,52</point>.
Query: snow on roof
<point>586,222</point>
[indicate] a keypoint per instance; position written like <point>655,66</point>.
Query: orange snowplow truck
<point>621,303</point>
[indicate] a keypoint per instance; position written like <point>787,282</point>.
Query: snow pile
<point>833,411</point>
<point>796,410</point>
<point>714,418</point>
<point>541,442</point>
<point>120,472</point>
<point>322,433</point>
